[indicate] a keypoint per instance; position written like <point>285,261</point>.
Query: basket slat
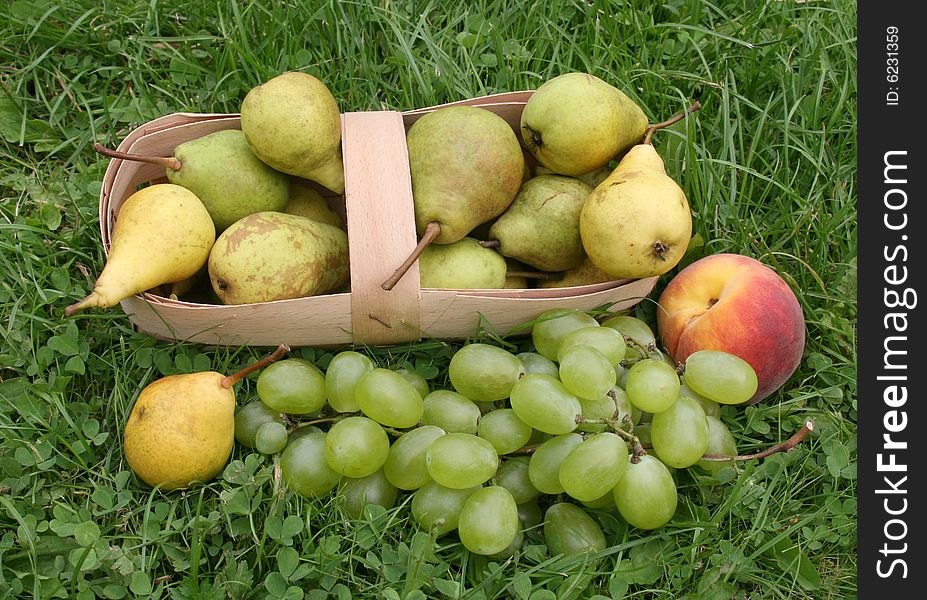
<point>381,227</point>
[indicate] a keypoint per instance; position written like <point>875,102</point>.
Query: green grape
<point>552,325</point>
<point>646,494</point>
<point>594,467</point>
<point>504,430</point>
<point>292,385</point>
<point>679,434</point>
<point>512,474</point>
<point>720,441</point>
<point>634,328</point>
<point>483,372</point>
<point>529,514</point>
<point>270,438</point>
<point>600,408</point>
<point>652,385</point>
<point>545,461</point>
<point>604,502</point>
<point>569,530</point>
<point>511,550</point>
<point>545,404</point>
<point>711,408</point>
<point>437,508</point>
<point>356,446</point>
<point>642,431</point>
<point>417,380</point>
<point>625,408</point>
<point>535,363</point>
<point>356,493</point>
<point>405,465</point>
<point>250,417</point>
<point>304,469</point>
<point>302,430</point>
<point>720,376</point>
<point>538,437</point>
<point>604,339</point>
<point>461,460</point>
<point>488,522</point>
<point>387,398</point>
<point>585,372</point>
<point>341,376</point>
<point>452,412</point>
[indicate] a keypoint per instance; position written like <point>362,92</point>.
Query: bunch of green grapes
<point>563,426</point>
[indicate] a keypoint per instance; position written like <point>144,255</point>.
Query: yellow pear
<point>584,274</point>
<point>182,427</point>
<point>637,223</point>
<point>163,234</point>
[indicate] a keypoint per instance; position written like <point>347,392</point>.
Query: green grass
<point>768,165</point>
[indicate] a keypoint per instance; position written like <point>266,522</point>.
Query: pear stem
<point>490,243</point>
<point>229,380</point>
<point>168,162</point>
<point>432,230</point>
<point>785,446</point>
<point>648,137</point>
<point>90,300</point>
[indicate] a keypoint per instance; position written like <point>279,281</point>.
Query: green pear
<point>575,123</point>
<point>224,173</point>
<point>292,123</point>
<point>637,223</point>
<point>466,166</point>
<point>182,427</point>
<point>163,234</point>
<point>306,201</point>
<point>463,264</point>
<point>586,273</point>
<point>274,256</point>
<point>541,227</point>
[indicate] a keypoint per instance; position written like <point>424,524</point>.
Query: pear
<point>541,227</point>
<point>466,166</point>
<point>274,256</point>
<point>575,123</point>
<point>182,427</point>
<point>463,264</point>
<point>163,234</point>
<point>637,223</point>
<point>293,124</point>
<point>584,274</point>
<point>224,174</point>
<point>306,201</point>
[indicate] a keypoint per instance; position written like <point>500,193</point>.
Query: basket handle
<point>381,228</point>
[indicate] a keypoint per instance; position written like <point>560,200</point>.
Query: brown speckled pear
<point>276,256</point>
<point>182,427</point>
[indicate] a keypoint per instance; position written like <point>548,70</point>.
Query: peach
<point>739,305</point>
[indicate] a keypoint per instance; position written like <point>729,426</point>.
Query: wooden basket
<point>377,205</point>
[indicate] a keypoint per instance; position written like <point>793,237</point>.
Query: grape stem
<point>785,446</point>
<point>645,350</point>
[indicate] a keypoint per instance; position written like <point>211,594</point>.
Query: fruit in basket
<point>182,427</point>
<point>575,123</point>
<point>736,304</point>
<point>163,234</point>
<point>637,223</point>
<point>306,201</point>
<point>586,273</point>
<point>275,256</point>
<point>466,166</point>
<point>463,264</point>
<point>293,124</point>
<point>224,173</point>
<point>541,226</point>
